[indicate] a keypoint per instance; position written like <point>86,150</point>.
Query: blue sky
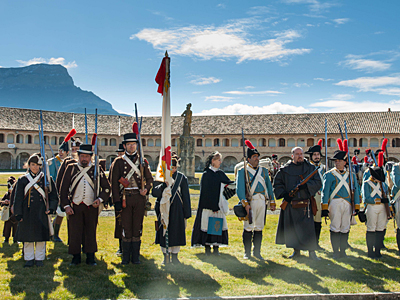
<point>227,57</point>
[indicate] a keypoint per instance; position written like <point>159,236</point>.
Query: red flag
<point>160,77</point>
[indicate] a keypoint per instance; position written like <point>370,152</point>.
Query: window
<point>20,139</point>
<point>225,143</point>
<point>281,142</point>
<point>235,143</point>
<point>199,143</point>
<point>173,142</point>
<point>291,143</point>
<point>1,137</point>
<point>216,142</point>
<point>158,142</point>
<point>104,142</point>
<point>150,142</point>
<point>208,143</point>
<point>271,143</point>
<point>60,140</point>
<point>36,140</point>
<point>28,139</point>
<point>53,140</point>
<point>353,142</point>
<point>113,142</point>
<point>374,142</point>
<point>262,142</point>
<point>143,142</point>
<point>301,142</point>
<point>46,140</point>
<point>10,138</point>
<point>396,142</point>
<point>363,142</point>
<point>310,142</point>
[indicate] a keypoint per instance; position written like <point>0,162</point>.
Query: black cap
<point>339,155</point>
<point>120,148</point>
<point>129,137</point>
<point>85,149</point>
<point>377,173</point>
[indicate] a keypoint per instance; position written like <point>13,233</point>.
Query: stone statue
<point>187,122</point>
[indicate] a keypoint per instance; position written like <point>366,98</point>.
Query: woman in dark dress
<point>211,188</point>
<point>30,211</point>
<point>174,210</point>
<point>11,224</point>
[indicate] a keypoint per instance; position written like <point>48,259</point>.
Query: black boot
<point>295,254</point>
<point>29,263</point>
<point>175,259</point>
<point>370,237</point>
<point>6,240</point>
<point>216,250</point>
<point>208,250</point>
<point>135,252</point>
<point>247,236</point>
<point>39,263</point>
<point>166,259</point>
<point>398,239</point>
<point>126,252</point>
<point>335,241</point>
<point>90,259</point>
<point>119,251</point>
<point>312,255</point>
<point>379,236</point>
<point>343,244</point>
<point>318,226</point>
<point>257,239</point>
<point>56,238</point>
<point>76,260</point>
<point>382,244</point>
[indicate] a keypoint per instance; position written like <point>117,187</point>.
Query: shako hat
<point>377,171</point>
<point>274,156</point>
<point>251,150</point>
<point>315,148</point>
<point>10,181</point>
<point>64,144</point>
<point>35,158</point>
<point>120,148</point>
<point>75,142</point>
<point>132,136</point>
<point>356,151</point>
<point>85,149</point>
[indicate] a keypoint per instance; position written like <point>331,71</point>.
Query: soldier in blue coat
<point>395,177</point>
<point>336,202</point>
<point>261,193</point>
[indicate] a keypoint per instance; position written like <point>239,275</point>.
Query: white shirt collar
<point>213,169</point>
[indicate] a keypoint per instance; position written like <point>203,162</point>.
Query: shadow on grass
<point>230,264</point>
<point>8,250</point>
<point>36,283</point>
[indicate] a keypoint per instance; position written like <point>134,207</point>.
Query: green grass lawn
<point>198,276</point>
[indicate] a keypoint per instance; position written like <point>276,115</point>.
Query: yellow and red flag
<point>164,166</point>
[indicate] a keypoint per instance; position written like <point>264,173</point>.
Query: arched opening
<point>150,142</point>
<point>352,142</point>
<point>53,140</point>
<point>396,142</point>
<point>22,158</point>
<point>216,142</point>
<point>291,143</point>
<point>144,142</point>
<point>1,137</point>
<point>173,142</point>
<point>301,142</point>
<point>28,139</point>
<point>113,142</point>
<point>284,159</point>
<point>198,165</point>
<point>331,142</point>
<point>363,142</point>
<point>19,139</point>
<point>271,143</point>
<point>310,142</point>
<point>104,142</point>
<point>262,142</point>
<point>253,142</point>
<point>208,143</point>
<point>36,140</point>
<point>158,142</point>
<point>235,143</point>
<point>281,142</point>
<point>393,159</point>
<point>374,142</point>
<point>228,164</point>
<point>5,160</point>
<point>225,143</point>
<point>199,143</point>
<point>10,138</point>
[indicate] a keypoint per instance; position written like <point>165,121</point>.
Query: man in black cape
<point>296,223</point>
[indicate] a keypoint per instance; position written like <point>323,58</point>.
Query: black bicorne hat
<point>356,151</point>
<point>129,137</point>
<point>64,146</point>
<point>85,149</point>
<point>120,148</point>
<point>36,158</point>
<point>315,148</point>
<point>377,173</point>
<point>339,154</point>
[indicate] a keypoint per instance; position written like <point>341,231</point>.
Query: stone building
<point>272,134</point>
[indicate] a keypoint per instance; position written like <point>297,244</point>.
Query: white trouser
<point>340,214</point>
<point>60,213</point>
<point>258,206</point>
<point>317,217</point>
<point>173,250</point>
<point>376,217</point>
<point>397,209</point>
<point>30,253</point>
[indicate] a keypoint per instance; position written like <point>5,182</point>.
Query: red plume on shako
<point>340,144</point>
<point>70,135</point>
<point>384,144</point>
<point>345,146</point>
<point>380,159</point>
<point>320,143</point>
<point>249,145</point>
<point>94,139</point>
<point>251,150</point>
<point>135,128</point>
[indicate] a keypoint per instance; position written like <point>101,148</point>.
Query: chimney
<point>389,109</point>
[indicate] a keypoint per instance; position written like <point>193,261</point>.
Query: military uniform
<point>395,176</point>
<point>127,168</point>
<point>336,199</point>
<point>77,191</point>
<point>11,224</point>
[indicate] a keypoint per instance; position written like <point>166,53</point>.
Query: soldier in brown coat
<point>129,196</point>
<point>81,203</point>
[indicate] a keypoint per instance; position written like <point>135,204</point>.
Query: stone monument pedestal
<point>186,153</point>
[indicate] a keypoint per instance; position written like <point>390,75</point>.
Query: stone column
<point>186,153</point>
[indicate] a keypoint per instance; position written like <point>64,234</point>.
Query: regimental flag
<point>164,166</point>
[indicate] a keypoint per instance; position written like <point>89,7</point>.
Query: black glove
<point>325,213</point>
<point>18,218</point>
<point>303,187</point>
<point>287,197</point>
<point>357,211</point>
<point>385,200</point>
<point>118,206</point>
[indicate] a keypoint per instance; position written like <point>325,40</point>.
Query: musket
<point>246,180</point>
<point>96,160</point>
<point>54,157</point>
<point>341,132</point>
<point>294,191</point>
<point>86,130</point>
<point>44,165</point>
<point>326,145</point>
<point>352,187</point>
<point>140,150</point>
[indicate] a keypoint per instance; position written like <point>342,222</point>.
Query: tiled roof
<point>312,123</point>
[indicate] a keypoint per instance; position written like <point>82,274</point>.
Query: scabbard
<point>284,204</point>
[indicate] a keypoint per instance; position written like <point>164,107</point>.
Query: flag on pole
<point>164,166</point>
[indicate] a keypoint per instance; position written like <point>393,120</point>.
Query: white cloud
<point>259,10</point>
<point>224,42</point>
<point>323,79</point>
<point>253,93</point>
<point>301,84</point>
<point>367,65</point>
<point>219,99</point>
<point>243,109</point>
<point>350,106</point>
<point>205,80</point>
<point>221,5</point>
<point>314,5</point>
<point>249,87</point>
<point>51,61</point>
<point>382,85</point>
<point>341,21</point>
